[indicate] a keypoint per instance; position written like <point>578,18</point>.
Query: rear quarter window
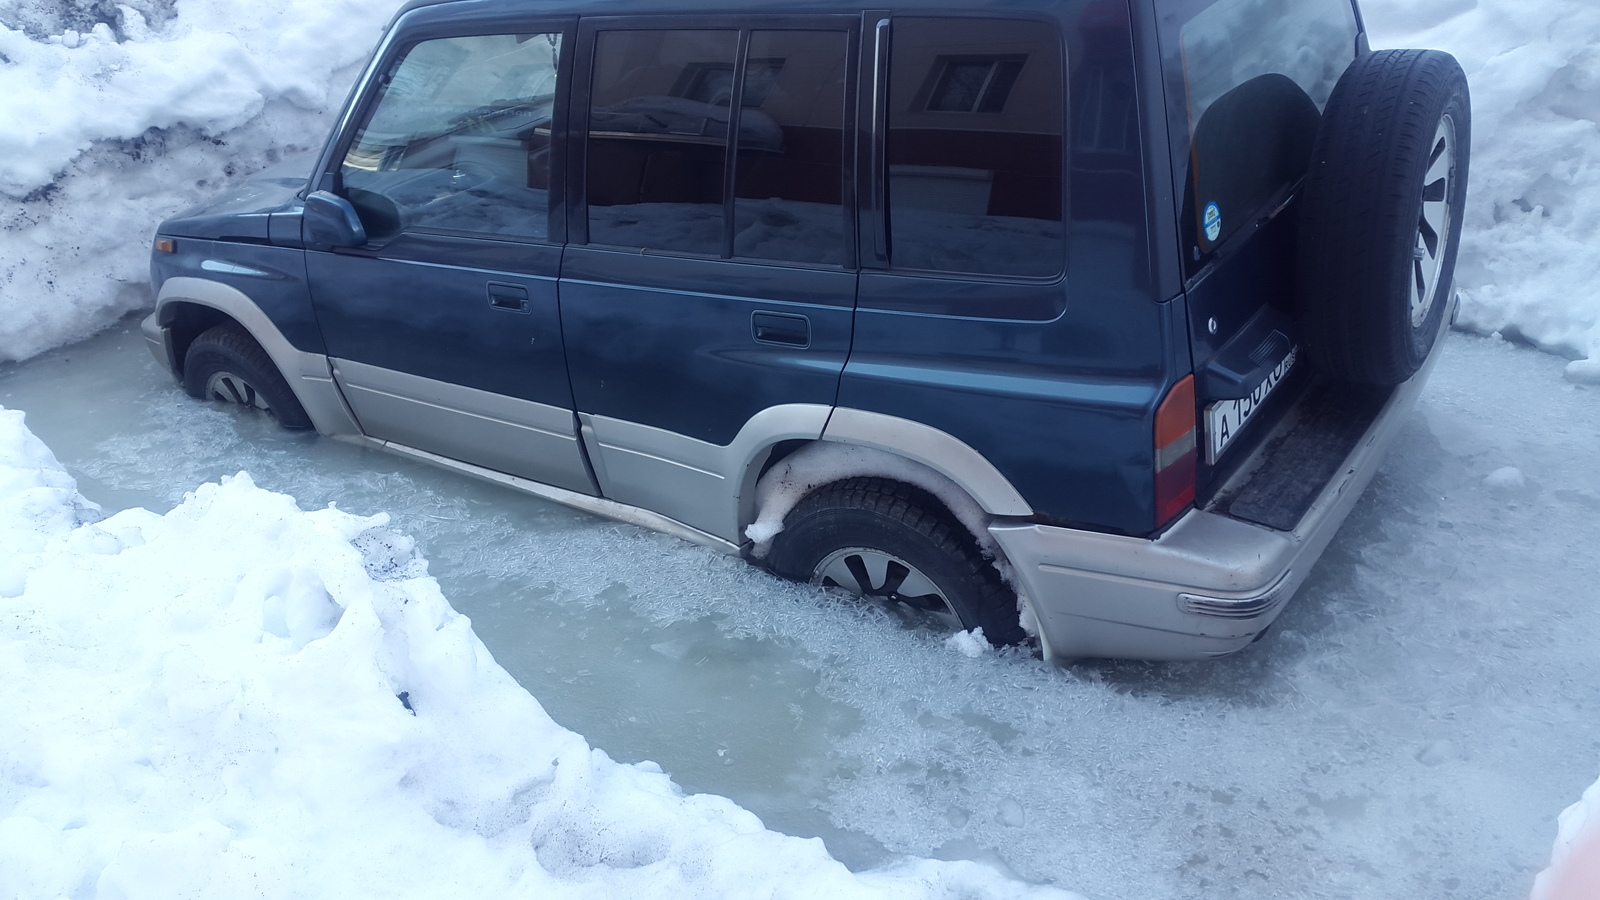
<point>1256,76</point>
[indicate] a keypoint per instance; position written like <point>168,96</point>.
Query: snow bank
<point>114,116</point>
<point>1527,266</point>
<point>240,698</point>
<point>1574,872</point>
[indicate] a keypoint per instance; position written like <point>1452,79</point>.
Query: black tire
<point>225,363</point>
<point>1369,310</point>
<point>910,526</point>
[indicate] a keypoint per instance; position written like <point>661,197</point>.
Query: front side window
<point>974,147</point>
<point>459,139</point>
<point>1257,76</point>
<point>661,124</point>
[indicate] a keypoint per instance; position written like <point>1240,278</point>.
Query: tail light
<point>1176,452</point>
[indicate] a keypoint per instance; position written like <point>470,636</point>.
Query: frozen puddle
<point>1411,728</point>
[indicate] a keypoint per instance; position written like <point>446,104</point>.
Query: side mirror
<point>331,221</point>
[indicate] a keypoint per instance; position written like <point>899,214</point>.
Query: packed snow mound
<point>1527,266</point>
<point>115,116</point>
<point>241,698</point>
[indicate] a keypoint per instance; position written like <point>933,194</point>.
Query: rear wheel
<point>892,542</point>
<point>1382,214</point>
<point>226,364</point>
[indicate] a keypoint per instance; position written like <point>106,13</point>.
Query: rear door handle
<point>509,297</point>
<point>778,328</point>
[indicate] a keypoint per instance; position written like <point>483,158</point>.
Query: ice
<point>1408,730</point>
<point>1416,720</point>
<point>223,700</point>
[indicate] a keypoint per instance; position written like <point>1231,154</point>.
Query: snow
<point>1505,477</point>
<point>823,462</point>
<point>1574,872</point>
<point>1527,267</point>
<point>1426,698</point>
<point>243,698</point>
<point>112,118</point>
<point>971,644</point>
<point>1418,717</point>
<point>115,116</point>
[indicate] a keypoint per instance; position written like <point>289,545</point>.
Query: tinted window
<point>791,149</point>
<point>1258,74</point>
<point>658,129</point>
<point>974,147</point>
<point>459,139</point>
<point>658,143</point>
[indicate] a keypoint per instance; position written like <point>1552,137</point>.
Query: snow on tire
<point>1381,215</point>
<point>891,541</point>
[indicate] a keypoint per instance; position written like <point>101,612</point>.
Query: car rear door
<point>711,273</point>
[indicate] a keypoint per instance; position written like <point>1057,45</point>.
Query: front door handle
<point>778,328</point>
<point>509,297</point>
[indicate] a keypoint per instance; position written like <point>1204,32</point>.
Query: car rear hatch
<point>1246,84</point>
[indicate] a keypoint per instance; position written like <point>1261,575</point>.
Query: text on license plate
<point>1226,418</point>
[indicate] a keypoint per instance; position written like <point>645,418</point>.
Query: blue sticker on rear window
<point>1213,222</point>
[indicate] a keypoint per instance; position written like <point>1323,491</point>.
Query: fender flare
<point>308,374</point>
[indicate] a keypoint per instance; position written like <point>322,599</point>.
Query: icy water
<point>1424,710</point>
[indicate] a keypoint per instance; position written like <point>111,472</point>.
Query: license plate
<point>1226,418</point>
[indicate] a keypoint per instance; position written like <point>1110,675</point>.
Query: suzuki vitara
<point>1082,322</point>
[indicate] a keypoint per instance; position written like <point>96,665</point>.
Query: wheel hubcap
<point>1433,225</point>
<point>230,388</point>
<point>874,573</point>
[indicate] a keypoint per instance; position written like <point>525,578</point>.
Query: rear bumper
<point>1208,586</point>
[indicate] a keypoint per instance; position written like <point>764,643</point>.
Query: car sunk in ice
<point>1084,323</point>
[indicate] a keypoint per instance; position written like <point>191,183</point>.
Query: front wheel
<point>226,364</point>
<point>896,543</point>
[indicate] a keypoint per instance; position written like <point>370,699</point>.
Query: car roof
<point>722,7</point>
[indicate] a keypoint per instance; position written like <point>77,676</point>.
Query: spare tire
<point>1381,215</point>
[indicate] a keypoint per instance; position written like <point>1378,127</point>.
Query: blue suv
<point>1082,322</point>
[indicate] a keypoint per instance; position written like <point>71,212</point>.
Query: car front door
<point>444,329</point>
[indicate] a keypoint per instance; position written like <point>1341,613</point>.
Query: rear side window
<point>459,139</point>
<point>974,147</point>
<point>673,111</point>
<point>1257,75</point>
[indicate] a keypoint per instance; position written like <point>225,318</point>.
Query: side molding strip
<point>600,506</point>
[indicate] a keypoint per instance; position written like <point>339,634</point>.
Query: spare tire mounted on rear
<point>1381,215</point>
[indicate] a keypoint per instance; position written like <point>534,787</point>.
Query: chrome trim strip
<point>228,268</point>
<point>308,374</point>
<point>1237,608</point>
<point>599,506</point>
